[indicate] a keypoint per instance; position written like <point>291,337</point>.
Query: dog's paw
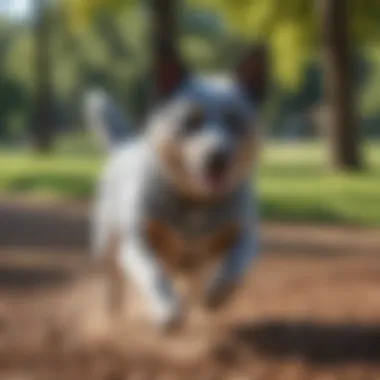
<point>219,296</point>
<point>171,321</point>
<point>173,325</point>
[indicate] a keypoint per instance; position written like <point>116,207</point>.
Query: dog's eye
<point>235,122</point>
<point>193,121</point>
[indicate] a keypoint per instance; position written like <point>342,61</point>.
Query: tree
<point>293,30</point>
<point>338,82</point>
<point>43,125</point>
<point>43,128</point>
<point>164,44</point>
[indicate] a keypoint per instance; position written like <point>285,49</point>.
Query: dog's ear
<point>169,71</point>
<point>251,73</point>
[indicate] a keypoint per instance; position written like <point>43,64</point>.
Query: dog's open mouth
<point>217,178</point>
<point>217,172</point>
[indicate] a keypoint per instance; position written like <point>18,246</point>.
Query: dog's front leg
<point>229,275</point>
<point>142,266</point>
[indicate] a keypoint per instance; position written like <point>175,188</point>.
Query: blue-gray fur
<point>134,189</point>
<point>106,119</point>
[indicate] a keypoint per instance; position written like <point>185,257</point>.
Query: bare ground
<point>309,310</point>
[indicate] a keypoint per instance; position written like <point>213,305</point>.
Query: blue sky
<point>15,9</point>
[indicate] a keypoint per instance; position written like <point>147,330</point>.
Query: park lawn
<point>295,182</point>
<point>297,185</point>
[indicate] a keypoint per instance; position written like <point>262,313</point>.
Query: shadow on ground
<point>40,227</point>
<point>11,278</point>
<point>312,342</point>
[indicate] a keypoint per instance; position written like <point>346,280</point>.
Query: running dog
<point>182,194</point>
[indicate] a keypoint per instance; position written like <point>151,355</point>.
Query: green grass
<point>297,185</point>
<point>295,182</point>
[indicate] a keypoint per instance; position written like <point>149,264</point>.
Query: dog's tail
<point>106,119</point>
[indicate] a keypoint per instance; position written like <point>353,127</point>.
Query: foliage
<point>81,13</point>
<point>291,28</point>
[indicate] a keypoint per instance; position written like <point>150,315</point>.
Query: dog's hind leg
<point>115,282</point>
<point>102,225</point>
<point>104,242</point>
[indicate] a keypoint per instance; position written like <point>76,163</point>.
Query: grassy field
<point>295,181</point>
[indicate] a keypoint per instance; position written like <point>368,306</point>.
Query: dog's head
<point>205,129</point>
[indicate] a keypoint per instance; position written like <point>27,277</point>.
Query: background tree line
<point>325,54</point>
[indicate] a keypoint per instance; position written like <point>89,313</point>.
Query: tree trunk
<point>339,85</point>
<point>164,38</point>
<point>43,126</point>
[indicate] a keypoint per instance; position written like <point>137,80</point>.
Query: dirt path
<point>310,310</point>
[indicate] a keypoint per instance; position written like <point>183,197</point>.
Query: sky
<point>16,9</point>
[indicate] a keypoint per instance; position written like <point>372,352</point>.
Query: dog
<point>182,193</point>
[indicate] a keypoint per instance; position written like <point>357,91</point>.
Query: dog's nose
<point>218,161</point>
